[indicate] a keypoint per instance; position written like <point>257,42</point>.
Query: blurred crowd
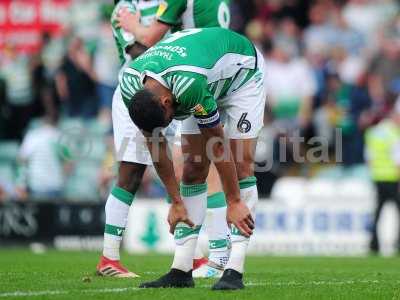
<point>333,70</point>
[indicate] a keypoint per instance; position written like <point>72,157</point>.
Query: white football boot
<point>209,270</point>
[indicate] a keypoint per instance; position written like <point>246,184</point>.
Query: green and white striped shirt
<point>197,74</point>
<point>124,39</point>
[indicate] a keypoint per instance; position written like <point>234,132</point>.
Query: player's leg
<point>133,157</point>
<point>245,114</point>
<point>194,196</point>
<point>383,194</point>
<point>217,230</point>
<point>243,153</point>
<point>397,201</point>
<point>217,227</point>
<point>116,212</point>
<point>193,186</point>
<point>177,158</point>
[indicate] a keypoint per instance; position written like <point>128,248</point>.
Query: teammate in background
<point>131,168</point>
<point>134,157</point>
<point>183,78</point>
<point>185,14</point>
<point>174,15</point>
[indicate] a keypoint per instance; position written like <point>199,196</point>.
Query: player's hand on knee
<point>178,213</point>
<point>239,215</point>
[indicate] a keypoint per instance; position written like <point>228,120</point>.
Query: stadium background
<point>333,72</point>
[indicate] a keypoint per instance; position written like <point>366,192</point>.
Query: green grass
<point>58,275</point>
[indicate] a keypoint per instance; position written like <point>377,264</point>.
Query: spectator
<point>106,67</point>
<point>346,37</point>
<point>320,34</point>
<point>84,18</point>
<point>290,88</point>
<point>4,111</point>
<point>383,156</point>
<point>345,104</point>
<point>75,81</point>
<point>385,69</point>
<point>289,33</point>
<point>369,16</point>
<point>52,53</point>
<point>45,101</point>
<point>291,85</point>
<point>41,154</point>
<point>16,73</point>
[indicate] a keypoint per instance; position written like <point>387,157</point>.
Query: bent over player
<point>132,155</point>
<point>171,16</point>
<point>182,77</point>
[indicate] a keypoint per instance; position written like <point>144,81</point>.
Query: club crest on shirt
<point>198,110</point>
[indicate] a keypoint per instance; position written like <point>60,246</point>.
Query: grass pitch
<point>70,275</point>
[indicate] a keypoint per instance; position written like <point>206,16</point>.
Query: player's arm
<point>146,35</point>
<point>222,157</point>
<point>160,155</point>
<point>209,123</point>
<point>158,147</point>
<point>168,15</point>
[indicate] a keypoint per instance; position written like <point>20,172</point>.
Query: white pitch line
<point>64,292</point>
<point>323,282</point>
<point>32,293</point>
<point>111,290</point>
<point>127,289</point>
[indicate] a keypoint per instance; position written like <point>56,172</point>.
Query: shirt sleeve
<point>27,147</point>
<point>192,94</point>
<point>129,84</point>
<point>170,11</point>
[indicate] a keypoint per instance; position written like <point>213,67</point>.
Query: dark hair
<point>146,111</point>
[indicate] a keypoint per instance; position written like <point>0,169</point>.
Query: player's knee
<point>130,184</point>
<point>244,169</point>
<point>182,236</point>
<point>130,176</point>
<point>237,237</point>
<point>194,172</point>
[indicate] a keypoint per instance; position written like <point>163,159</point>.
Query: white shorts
<point>242,112</point>
<point>129,141</point>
